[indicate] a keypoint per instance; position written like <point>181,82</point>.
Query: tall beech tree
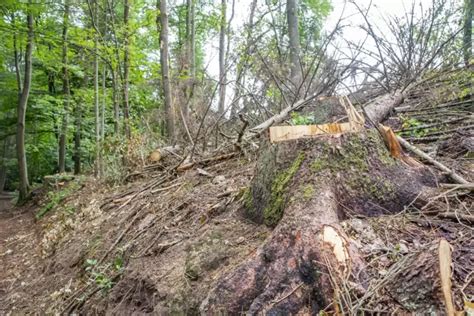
<point>22,106</point>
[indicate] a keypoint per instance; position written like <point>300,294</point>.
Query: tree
<point>22,105</point>
<point>163,29</point>
<point>96,92</point>
<point>294,40</point>
<point>222,57</point>
<point>126,67</point>
<point>66,91</point>
<point>467,39</point>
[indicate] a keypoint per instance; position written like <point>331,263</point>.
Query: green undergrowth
<point>57,196</point>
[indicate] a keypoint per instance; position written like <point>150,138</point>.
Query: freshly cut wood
<point>284,133</point>
<point>375,111</point>
<point>355,124</point>
<point>394,146</point>
<point>445,264</point>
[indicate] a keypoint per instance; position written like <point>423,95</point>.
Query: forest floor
<point>19,258</point>
<point>159,242</point>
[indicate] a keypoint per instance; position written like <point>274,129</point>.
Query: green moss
<point>308,191</point>
<point>274,211</point>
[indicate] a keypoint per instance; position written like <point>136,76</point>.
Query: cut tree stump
<point>305,188</point>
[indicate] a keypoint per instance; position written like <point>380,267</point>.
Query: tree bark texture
<point>467,39</point>
<point>21,112</point>
<point>294,39</point>
<point>66,92</point>
<point>126,68</point>
<point>164,57</point>
<point>222,56</point>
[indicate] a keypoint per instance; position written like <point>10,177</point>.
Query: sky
<point>352,21</point>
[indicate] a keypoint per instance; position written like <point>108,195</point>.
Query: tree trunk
<point>244,60</point>
<point>96,97</point>
<point>77,128</point>
<point>3,178</point>
<point>294,39</point>
<point>222,50</point>
<point>192,38</point>
<point>115,100</point>
<point>16,57</point>
<point>163,28</point>
<point>190,59</point>
<point>22,105</point>
<point>66,91</point>
<point>467,39</point>
<point>305,188</point>
<point>126,68</point>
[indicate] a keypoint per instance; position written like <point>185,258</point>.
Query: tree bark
<point>126,68</point>
<point>77,128</point>
<point>163,29</point>
<point>467,39</point>
<point>294,39</point>
<point>190,66</point>
<point>66,92</point>
<point>222,57</point>
<point>96,97</point>
<point>304,189</point>
<point>22,106</point>
<point>115,101</point>
<point>3,178</point>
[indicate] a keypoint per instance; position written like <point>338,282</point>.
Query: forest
<point>236,157</point>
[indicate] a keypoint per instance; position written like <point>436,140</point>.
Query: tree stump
<point>304,188</point>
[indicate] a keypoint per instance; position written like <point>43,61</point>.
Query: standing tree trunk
<point>22,104</point>
<point>115,101</point>
<point>190,57</point>
<point>222,70</point>
<point>126,68</point>
<point>244,60</point>
<point>66,91</point>
<point>3,178</point>
<point>163,28</point>
<point>294,37</point>
<point>467,40</point>
<point>96,98</point>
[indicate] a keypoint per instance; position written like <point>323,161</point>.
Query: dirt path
<point>18,255</point>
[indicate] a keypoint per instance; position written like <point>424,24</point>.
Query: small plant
<point>298,119</point>
<point>98,277</point>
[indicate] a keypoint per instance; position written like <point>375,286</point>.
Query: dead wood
<point>456,177</point>
<point>424,283</point>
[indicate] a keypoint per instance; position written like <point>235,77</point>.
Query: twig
<point>456,177</point>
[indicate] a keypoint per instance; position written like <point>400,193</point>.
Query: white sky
<point>378,8</point>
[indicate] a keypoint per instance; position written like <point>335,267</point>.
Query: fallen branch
<point>456,177</point>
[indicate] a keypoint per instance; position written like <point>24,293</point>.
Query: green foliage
<point>56,197</point>
<point>298,119</point>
